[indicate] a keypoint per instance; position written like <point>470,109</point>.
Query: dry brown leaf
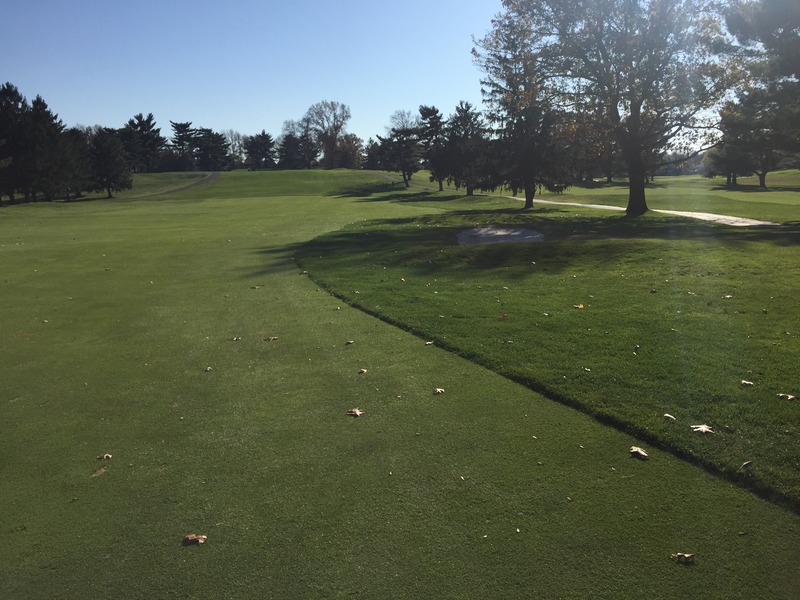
<point>578,305</point>
<point>191,539</point>
<point>682,558</point>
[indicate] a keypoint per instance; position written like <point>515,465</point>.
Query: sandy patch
<point>497,234</point>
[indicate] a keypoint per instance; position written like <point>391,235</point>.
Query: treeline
<point>572,91</point>
<point>591,88</point>
<point>42,159</point>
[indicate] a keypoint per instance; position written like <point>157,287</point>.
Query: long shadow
<point>418,243</point>
<point>415,243</point>
<point>755,189</point>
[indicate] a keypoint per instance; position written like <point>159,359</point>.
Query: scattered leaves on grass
<point>786,396</point>
<point>702,428</point>
<point>438,390</point>
<point>747,383</point>
<point>104,457</point>
<point>192,539</point>
<point>639,453</point>
<point>682,558</point>
<point>355,412</point>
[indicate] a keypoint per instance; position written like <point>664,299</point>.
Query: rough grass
<point>489,490</point>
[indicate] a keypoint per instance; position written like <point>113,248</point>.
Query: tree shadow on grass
<point>424,244</point>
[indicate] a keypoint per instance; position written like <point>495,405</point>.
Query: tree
<point>655,66</point>
<point>327,119</point>
<point>350,151</point>
<point>110,166</point>
<point>183,144</point>
<point>755,130</point>
<point>13,108</point>
<point>260,150</point>
<point>433,138</point>
<point>297,148</point>
<point>775,24</point>
<point>519,107</point>
<point>727,159</point>
<point>466,147</point>
<point>400,149</point>
<point>236,150</point>
<point>143,142</point>
<point>210,150</point>
<point>372,158</point>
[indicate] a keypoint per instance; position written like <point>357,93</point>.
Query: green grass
<point>780,202</point>
<point>421,497</point>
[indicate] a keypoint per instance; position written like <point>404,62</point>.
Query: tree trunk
<point>109,193</point>
<point>441,185</point>
<point>470,190</point>
<point>637,204</point>
<point>530,192</point>
<point>762,179</point>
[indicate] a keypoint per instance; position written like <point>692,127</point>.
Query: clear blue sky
<point>245,65</point>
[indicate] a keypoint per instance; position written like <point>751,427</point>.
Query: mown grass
<point>780,202</point>
<point>112,312</point>
<point>674,315</point>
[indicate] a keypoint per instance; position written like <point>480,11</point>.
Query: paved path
<point>703,216</point>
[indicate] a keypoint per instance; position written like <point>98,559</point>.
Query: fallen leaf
<point>429,343</point>
<point>745,382</point>
<point>682,558</point>
<point>702,429</point>
<point>503,317</point>
<point>207,369</point>
<point>637,452</point>
<point>355,412</point>
<point>271,338</point>
<point>438,390</point>
<point>746,464</point>
<point>669,417</point>
<point>348,342</point>
<point>727,296</point>
<point>578,305</point>
<point>99,471</point>
<point>786,396</point>
<point>104,457</point>
<point>191,539</point>
<point>236,338</point>
<point>362,371</point>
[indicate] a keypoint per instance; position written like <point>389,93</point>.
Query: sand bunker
<point>497,234</point>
